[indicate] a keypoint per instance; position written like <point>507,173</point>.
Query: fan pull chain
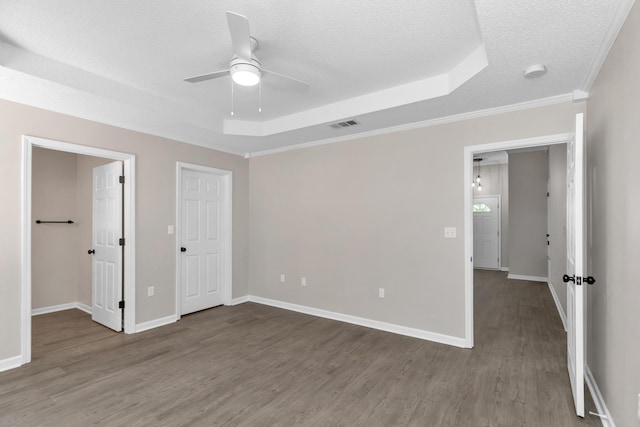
<point>232,97</point>
<point>260,96</point>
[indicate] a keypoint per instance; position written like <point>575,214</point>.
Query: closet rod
<point>54,222</point>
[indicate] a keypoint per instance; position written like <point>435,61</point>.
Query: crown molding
<point>620,15</point>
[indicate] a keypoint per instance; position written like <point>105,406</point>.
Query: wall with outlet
<point>370,213</point>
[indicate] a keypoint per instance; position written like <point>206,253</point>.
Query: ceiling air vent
<point>346,124</point>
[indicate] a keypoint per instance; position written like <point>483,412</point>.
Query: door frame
<point>227,282</point>
<point>129,163</point>
<point>469,151</point>
<point>497,196</point>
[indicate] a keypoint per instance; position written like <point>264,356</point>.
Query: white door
<point>107,255</point>
<point>486,232</point>
<point>202,234</point>
<point>575,266</point>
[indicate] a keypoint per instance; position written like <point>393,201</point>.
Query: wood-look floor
<point>253,365</point>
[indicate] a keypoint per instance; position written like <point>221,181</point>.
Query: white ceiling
<point>385,64</point>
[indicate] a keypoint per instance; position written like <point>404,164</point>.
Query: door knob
<point>183,249</point>
<point>91,251</point>
<point>566,278</point>
<point>589,280</point>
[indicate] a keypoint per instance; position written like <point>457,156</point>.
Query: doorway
<point>128,162</point>
<point>203,238</point>
<point>469,153</point>
<point>486,232</point>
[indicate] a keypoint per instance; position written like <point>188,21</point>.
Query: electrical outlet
<point>303,281</point>
<point>381,292</point>
<point>151,291</point>
<point>282,278</point>
<point>450,232</point>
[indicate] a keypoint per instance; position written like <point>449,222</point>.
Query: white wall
<point>528,175</point>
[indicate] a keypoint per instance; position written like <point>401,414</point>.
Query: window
<point>481,207</point>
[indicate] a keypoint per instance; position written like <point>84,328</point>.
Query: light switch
<point>170,229</point>
<point>450,232</point>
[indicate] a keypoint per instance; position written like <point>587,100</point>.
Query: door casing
<point>469,152</point>
<point>227,281</point>
<point>129,162</point>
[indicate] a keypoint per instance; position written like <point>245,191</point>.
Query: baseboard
<point>145,326</point>
<point>601,406</point>
<point>10,363</point>
<point>240,300</point>
<point>561,312</point>
<point>374,324</point>
<point>61,307</point>
<point>504,269</point>
<point>529,278</point>
<point>84,307</point>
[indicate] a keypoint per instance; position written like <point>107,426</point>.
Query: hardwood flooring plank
<point>254,365</point>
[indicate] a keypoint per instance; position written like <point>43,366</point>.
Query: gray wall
<point>495,182</point>
<point>365,214</point>
<point>54,256</point>
<point>558,220</point>
<point>528,175</point>
<point>61,189</point>
<point>155,207</point>
<point>613,150</point>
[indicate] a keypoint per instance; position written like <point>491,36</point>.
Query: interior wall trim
<point>61,307</point>
<point>240,300</point>
<point>156,323</point>
<point>601,406</point>
<point>10,363</point>
<point>620,15</point>
<point>361,321</point>
<point>561,312</point>
<point>525,277</point>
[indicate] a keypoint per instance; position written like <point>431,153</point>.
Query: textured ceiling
<point>383,63</point>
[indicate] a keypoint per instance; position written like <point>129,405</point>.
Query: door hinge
<point>547,194</point>
<point>121,304</point>
<point>121,241</point>
<point>121,179</point>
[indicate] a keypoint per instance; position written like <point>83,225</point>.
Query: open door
<point>107,246</point>
<point>575,264</point>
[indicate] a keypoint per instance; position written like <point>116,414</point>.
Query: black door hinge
<point>121,179</point>
<point>121,304</point>
<point>121,241</point>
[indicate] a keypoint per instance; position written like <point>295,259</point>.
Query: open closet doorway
<point>90,175</point>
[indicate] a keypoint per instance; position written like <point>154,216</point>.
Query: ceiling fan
<point>245,69</point>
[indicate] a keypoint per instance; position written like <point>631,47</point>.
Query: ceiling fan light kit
<point>246,74</point>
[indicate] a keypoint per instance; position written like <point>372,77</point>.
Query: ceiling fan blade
<point>285,81</point>
<point>240,35</point>
<point>208,76</point>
